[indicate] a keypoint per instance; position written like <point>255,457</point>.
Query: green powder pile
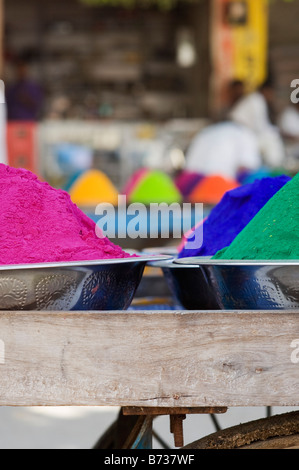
<point>273,233</point>
<point>155,187</point>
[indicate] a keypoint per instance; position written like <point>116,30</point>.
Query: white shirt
<point>289,122</point>
<point>223,149</point>
<point>289,125</point>
<point>252,112</point>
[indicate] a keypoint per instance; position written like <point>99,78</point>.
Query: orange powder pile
<point>211,189</point>
<point>92,188</point>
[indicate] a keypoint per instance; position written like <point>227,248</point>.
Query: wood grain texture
<point>149,358</point>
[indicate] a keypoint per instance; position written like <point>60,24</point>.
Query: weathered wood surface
<point>149,358</point>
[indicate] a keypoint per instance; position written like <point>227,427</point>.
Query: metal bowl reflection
<point>245,284</point>
<point>188,285</point>
<point>87,285</point>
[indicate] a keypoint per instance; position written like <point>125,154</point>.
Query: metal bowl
<point>188,285</point>
<point>242,285</point>
<point>86,285</point>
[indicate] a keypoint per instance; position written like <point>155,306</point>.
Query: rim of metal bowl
<point>208,261</point>
<point>176,262</point>
<point>86,263</point>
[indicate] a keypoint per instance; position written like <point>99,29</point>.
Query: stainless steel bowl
<point>88,285</point>
<point>188,285</point>
<point>242,285</point>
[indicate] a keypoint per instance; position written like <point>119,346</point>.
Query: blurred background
<point>100,94</point>
<point>127,84</point>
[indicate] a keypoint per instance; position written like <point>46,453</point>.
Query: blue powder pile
<point>228,218</point>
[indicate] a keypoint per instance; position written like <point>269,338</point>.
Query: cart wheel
<point>107,440</point>
<point>275,432</point>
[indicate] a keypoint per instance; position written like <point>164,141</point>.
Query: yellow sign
<point>249,45</point>
<point>239,43</point>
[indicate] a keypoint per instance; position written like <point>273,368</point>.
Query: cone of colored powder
<point>251,176</point>
<point>155,187</point>
<point>273,234</point>
<point>40,224</point>
<point>211,189</point>
<point>134,180</point>
<point>186,182</point>
<point>72,180</point>
<point>92,188</point>
<point>229,217</point>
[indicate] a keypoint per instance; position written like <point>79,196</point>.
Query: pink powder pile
<point>40,224</point>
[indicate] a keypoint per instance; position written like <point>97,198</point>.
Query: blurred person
<point>289,122</point>
<point>24,97</point>
<point>235,91</point>
<point>255,111</point>
<point>225,149</point>
<point>289,127</point>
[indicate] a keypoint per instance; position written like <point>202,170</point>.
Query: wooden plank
<point>151,358</point>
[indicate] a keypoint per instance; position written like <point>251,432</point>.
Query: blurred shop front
<point>125,88</point>
<point>129,84</point>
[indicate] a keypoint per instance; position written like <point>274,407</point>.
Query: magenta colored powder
<point>40,224</point>
<point>186,182</point>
